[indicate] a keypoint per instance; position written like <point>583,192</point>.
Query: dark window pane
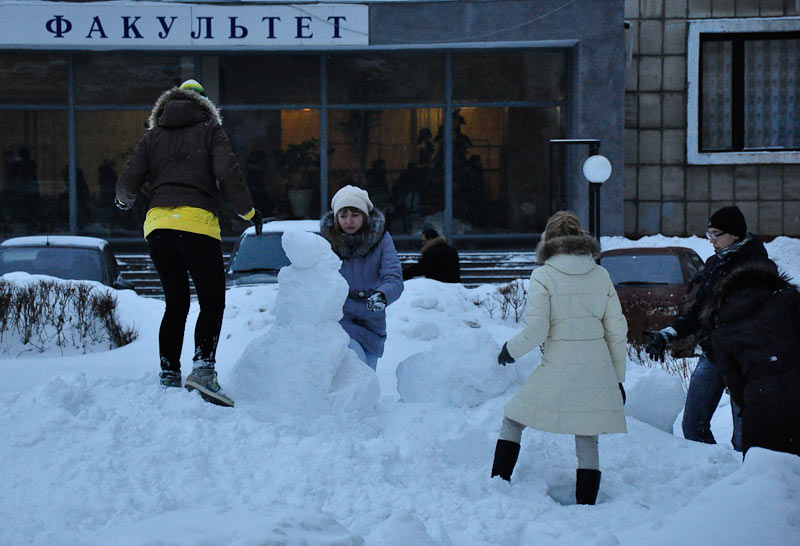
<point>398,78</point>
<point>278,152</point>
<point>509,76</point>
<point>393,155</point>
<point>274,79</point>
<point>106,140</point>
<point>716,95</point>
<point>119,78</point>
<point>33,190</point>
<point>644,269</point>
<point>772,94</point>
<point>33,78</point>
<point>64,263</point>
<point>500,168</point>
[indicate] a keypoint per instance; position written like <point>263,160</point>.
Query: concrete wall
<point>663,194</point>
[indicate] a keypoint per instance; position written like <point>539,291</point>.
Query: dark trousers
<point>705,391</point>
<point>176,255</point>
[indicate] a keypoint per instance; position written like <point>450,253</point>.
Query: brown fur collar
<point>755,275</point>
<point>440,240</point>
<point>570,244</point>
<point>182,94</point>
<point>346,246</point>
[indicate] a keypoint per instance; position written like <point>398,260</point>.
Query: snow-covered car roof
<point>279,226</point>
<point>56,240</point>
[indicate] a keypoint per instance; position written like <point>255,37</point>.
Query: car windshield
<point>259,253</point>
<point>643,268</point>
<point>62,262</point>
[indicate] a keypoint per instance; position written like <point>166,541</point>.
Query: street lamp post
<point>596,169</point>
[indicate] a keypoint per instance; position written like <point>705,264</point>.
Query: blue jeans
<point>705,391</point>
<point>368,358</point>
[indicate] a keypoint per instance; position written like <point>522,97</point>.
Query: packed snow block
<point>654,397</point>
<point>460,370</point>
<point>302,365</point>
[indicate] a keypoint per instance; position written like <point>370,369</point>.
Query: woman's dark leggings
<point>176,255</point>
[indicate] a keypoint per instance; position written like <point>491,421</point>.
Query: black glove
<point>504,358</point>
<point>659,339</point>
<point>122,206</point>
<point>622,390</point>
<point>376,302</point>
<point>258,221</point>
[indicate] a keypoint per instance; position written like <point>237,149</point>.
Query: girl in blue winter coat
<point>357,234</point>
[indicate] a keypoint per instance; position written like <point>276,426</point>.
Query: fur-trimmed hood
<point>570,244</point>
<point>752,284</point>
<point>197,108</point>
<point>346,246</point>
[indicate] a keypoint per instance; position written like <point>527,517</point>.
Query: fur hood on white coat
<point>574,310</point>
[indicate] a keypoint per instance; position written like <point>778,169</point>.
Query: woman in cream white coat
<point>572,308</point>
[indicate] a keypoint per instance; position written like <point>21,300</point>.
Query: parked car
<point>655,285</point>
<point>64,256</point>
<point>257,259</point>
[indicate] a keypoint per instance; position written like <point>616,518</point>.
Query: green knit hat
<point>193,85</point>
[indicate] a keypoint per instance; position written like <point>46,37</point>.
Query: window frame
<point>735,30</point>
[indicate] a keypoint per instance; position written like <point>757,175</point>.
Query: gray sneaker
<point>204,380</point>
<point>169,379</point>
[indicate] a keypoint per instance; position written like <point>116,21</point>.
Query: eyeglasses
<point>714,236</point>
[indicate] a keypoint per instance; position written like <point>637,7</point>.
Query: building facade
<point>443,110</point>
<point>712,114</point>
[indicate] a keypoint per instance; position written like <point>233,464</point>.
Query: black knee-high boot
<point>505,457</point>
<point>586,485</point>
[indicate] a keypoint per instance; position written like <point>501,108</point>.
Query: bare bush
<point>46,314</point>
<point>642,315</point>
<point>509,298</point>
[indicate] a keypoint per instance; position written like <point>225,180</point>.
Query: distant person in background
<point>734,246</point>
<point>438,260</point>
<point>183,154</point>
<point>573,309</point>
<point>754,319</point>
<point>357,233</point>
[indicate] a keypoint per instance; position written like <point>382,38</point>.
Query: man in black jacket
<point>438,260</point>
<point>754,317</point>
<point>733,246</point>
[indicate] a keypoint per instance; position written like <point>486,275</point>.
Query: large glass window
<point>500,168</point>
<point>34,194</point>
<point>398,78</point>
<point>126,78</point>
<point>503,76</point>
<point>278,152</point>
<point>105,141</point>
<point>269,79</point>
<point>391,154</point>
<point>33,78</point>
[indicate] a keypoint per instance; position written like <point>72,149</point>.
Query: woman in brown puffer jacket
<point>183,154</point>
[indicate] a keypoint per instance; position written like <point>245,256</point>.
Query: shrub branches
<point>68,315</point>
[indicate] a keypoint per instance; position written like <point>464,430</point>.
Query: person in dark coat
<point>438,260</point>
<point>183,154</point>
<point>754,317</point>
<point>734,246</point>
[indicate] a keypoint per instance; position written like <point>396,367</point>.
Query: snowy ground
<point>94,452</point>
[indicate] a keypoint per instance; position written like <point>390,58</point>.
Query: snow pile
<point>95,453</point>
<point>302,365</point>
<point>460,377</point>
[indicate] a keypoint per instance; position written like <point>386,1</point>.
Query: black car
<point>64,256</point>
<point>257,259</point>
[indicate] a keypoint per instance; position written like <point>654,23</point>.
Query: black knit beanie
<point>729,220</point>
